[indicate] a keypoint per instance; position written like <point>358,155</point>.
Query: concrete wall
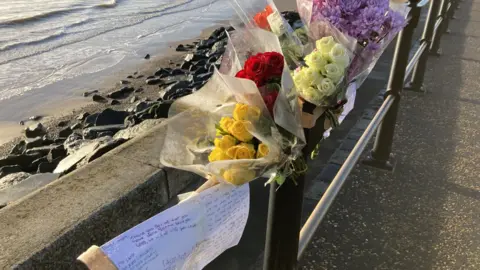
<point>49,228</point>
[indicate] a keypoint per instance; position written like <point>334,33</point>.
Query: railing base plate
<point>387,165</point>
<point>410,87</point>
<point>448,31</point>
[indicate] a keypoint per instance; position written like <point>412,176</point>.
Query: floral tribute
<point>265,69</point>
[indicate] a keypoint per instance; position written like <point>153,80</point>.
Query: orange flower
<point>261,20</point>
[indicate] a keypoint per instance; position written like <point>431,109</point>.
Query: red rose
<point>242,74</point>
<point>270,101</point>
<point>274,62</point>
<point>256,69</point>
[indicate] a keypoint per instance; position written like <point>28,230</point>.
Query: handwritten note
<point>187,236</point>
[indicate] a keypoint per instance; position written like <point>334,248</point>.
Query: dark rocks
<point>35,118</point>
<point>64,133</point>
<point>200,70</point>
<point>139,90</point>
<point>5,170</point>
<point>13,179</point>
<point>130,77</point>
<point>76,126</point>
<point>69,163</point>
<point>140,76</point>
<point>134,99</point>
<point>132,120</point>
<point>121,93</point>
<point>92,132</point>
<point>82,116</point>
<point>37,142</point>
<point>62,123</point>
<point>72,142</point>
<point>217,33</point>
<point>218,48</point>
<point>135,73</point>
<point>177,71</point>
<point>230,29</point>
<point>103,149</point>
<point>147,56</point>
<point>124,82</point>
<point>114,102</point>
<point>48,167</point>
<point>153,81</point>
<point>156,110</point>
<point>90,120</point>
<point>110,117</point>
<point>56,152</point>
<point>22,123</point>
<point>132,132</point>
<point>23,160</point>
<point>138,107</point>
<point>43,150</point>
<point>99,98</point>
<point>35,130</point>
<point>163,71</point>
<point>34,165</point>
<point>195,57</point>
<point>186,65</point>
<point>19,148</point>
<point>205,44</point>
<point>88,93</point>
<point>173,88</point>
<point>180,48</point>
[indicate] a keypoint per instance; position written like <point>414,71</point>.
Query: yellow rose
<point>325,44</point>
<point>241,151</point>
<point>226,122</point>
<point>316,61</point>
<point>334,72</point>
<point>245,112</point>
<point>300,79</point>
<point>217,154</point>
<point>225,142</point>
<point>313,76</point>
<point>238,176</point>
<point>239,130</point>
<point>262,150</point>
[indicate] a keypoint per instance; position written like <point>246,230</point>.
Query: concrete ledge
<point>49,228</point>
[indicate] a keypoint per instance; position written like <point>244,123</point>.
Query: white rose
<point>315,60</point>
<point>334,72</point>
<point>325,44</point>
<point>338,55</point>
<point>311,94</point>
<point>276,23</point>
<point>326,87</point>
<point>312,75</point>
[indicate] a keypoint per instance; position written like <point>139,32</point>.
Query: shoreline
<point>56,111</point>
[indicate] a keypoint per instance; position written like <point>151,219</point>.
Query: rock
<point>110,117</point>
<point>103,149</point>
<point>163,71</point>
<point>180,48</point>
<point>90,120</point>
<point>92,132</point>
<point>230,29</point>
<point>177,71</point>
<point>170,62</point>
<point>147,56</point>
<point>153,81</point>
<point>35,130</point>
<point>139,90</point>
<point>105,134</point>
<point>211,68</point>
<point>68,164</point>
<point>99,99</point>
<point>37,142</point>
<point>26,187</point>
<point>13,179</point>
<point>76,126</point>
<point>82,116</point>
<point>3,205</point>
<point>194,57</point>
<point>132,120</point>
<point>64,133</point>
<point>205,44</point>
<point>181,93</point>
<point>134,99</point>
<point>121,93</point>
<point>23,160</point>
<point>200,70</point>
<point>21,123</point>
<point>88,93</point>
<point>186,65</point>
<point>140,76</point>
<point>130,77</point>
<point>34,165</point>
<point>134,131</point>
<point>62,123</point>
<point>200,63</point>
<point>56,153</point>
<point>170,90</point>
<point>218,48</point>
<point>35,118</point>
<point>73,142</point>
<point>138,107</point>
<point>217,32</point>
<point>43,150</point>
<point>48,167</point>
<point>19,148</point>
<point>9,170</point>
<point>135,73</point>
<point>114,102</point>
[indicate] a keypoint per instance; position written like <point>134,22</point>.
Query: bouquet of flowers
<point>225,132</point>
<point>367,27</point>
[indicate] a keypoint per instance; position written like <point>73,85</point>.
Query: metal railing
<point>284,245</point>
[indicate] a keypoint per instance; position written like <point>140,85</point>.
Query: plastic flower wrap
<point>368,26</point>
<point>225,131</point>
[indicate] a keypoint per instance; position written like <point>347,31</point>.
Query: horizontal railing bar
<point>323,205</point>
<point>415,59</point>
<point>437,25</point>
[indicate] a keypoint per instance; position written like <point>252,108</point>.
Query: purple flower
<point>350,7</point>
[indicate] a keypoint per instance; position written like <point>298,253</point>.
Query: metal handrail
<point>323,205</point>
<point>415,58</point>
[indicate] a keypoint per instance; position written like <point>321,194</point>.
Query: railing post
<point>284,223</point>
<point>380,155</point>
<point>416,82</point>
<point>437,35</point>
